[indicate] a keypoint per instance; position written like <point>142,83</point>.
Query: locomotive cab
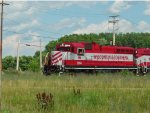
<point>60,54</point>
<point>54,61</point>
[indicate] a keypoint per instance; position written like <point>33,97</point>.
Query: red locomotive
<point>92,56</point>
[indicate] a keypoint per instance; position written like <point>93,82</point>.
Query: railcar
<point>69,56</point>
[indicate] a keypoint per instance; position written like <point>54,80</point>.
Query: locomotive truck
<point>83,56</point>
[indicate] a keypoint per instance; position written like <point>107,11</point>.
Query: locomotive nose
<point>56,58</point>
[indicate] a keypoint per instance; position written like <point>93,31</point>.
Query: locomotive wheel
<point>143,71</point>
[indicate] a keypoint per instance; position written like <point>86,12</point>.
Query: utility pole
<point>40,53</point>
<point>17,66</point>
<point>1,34</point>
<point>40,46</point>
<point>114,21</point>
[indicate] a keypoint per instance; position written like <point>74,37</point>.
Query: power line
<point>39,36</point>
<point>42,29</point>
<point>130,20</point>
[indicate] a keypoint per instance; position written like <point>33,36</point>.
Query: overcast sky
<point>30,21</point>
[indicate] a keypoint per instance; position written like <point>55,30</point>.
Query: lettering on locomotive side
<point>79,63</point>
<point>110,57</point>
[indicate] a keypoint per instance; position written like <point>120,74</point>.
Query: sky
<point>30,21</point>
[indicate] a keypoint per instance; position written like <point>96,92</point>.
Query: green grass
<point>102,93</point>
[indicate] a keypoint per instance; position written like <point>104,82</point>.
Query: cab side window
<point>80,51</point>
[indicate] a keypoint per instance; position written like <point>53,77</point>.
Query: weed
<point>45,100</point>
<point>76,91</point>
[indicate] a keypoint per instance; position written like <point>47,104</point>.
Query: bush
<point>34,65</point>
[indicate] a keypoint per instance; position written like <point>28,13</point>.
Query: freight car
<point>70,56</point>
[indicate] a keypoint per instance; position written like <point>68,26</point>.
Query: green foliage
<point>24,62</point>
<point>37,54</point>
<point>9,62</point>
<point>50,46</point>
<point>34,65</point>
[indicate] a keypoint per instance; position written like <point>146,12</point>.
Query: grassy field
<point>102,93</point>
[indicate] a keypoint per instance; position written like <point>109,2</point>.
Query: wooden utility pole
<point>41,54</point>
<point>114,21</point>
<point>1,37</point>
<point>17,66</point>
<point>1,34</point>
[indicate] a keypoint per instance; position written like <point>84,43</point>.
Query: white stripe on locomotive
<point>56,57</point>
<point>90,56</point>
<point>143,59</point>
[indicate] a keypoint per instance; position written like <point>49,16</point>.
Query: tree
<point>24,62</point>
<point>8,62</point>
<point>34,65</point>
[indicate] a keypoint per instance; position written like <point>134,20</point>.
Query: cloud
<point>124,26</point>
<point>69,23</point>
<point>85,4</point>
<point>144,26</point>
<point>24,15</point>
<point>20,14</point>
<point>10,44</point>
<point>22,10</point>
<point>61,4</point>
<point>25,26</point>
<point>118,6</point>
<point>93,28</point>
<point>17,5</point>
<point>147,10</point>
<point>23,6</point>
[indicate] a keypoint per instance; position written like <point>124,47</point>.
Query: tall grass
<point>102,93</point>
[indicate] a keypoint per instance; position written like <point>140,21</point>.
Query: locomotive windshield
<point>63,49</point>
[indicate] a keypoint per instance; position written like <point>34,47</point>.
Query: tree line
<point>136,40</point>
